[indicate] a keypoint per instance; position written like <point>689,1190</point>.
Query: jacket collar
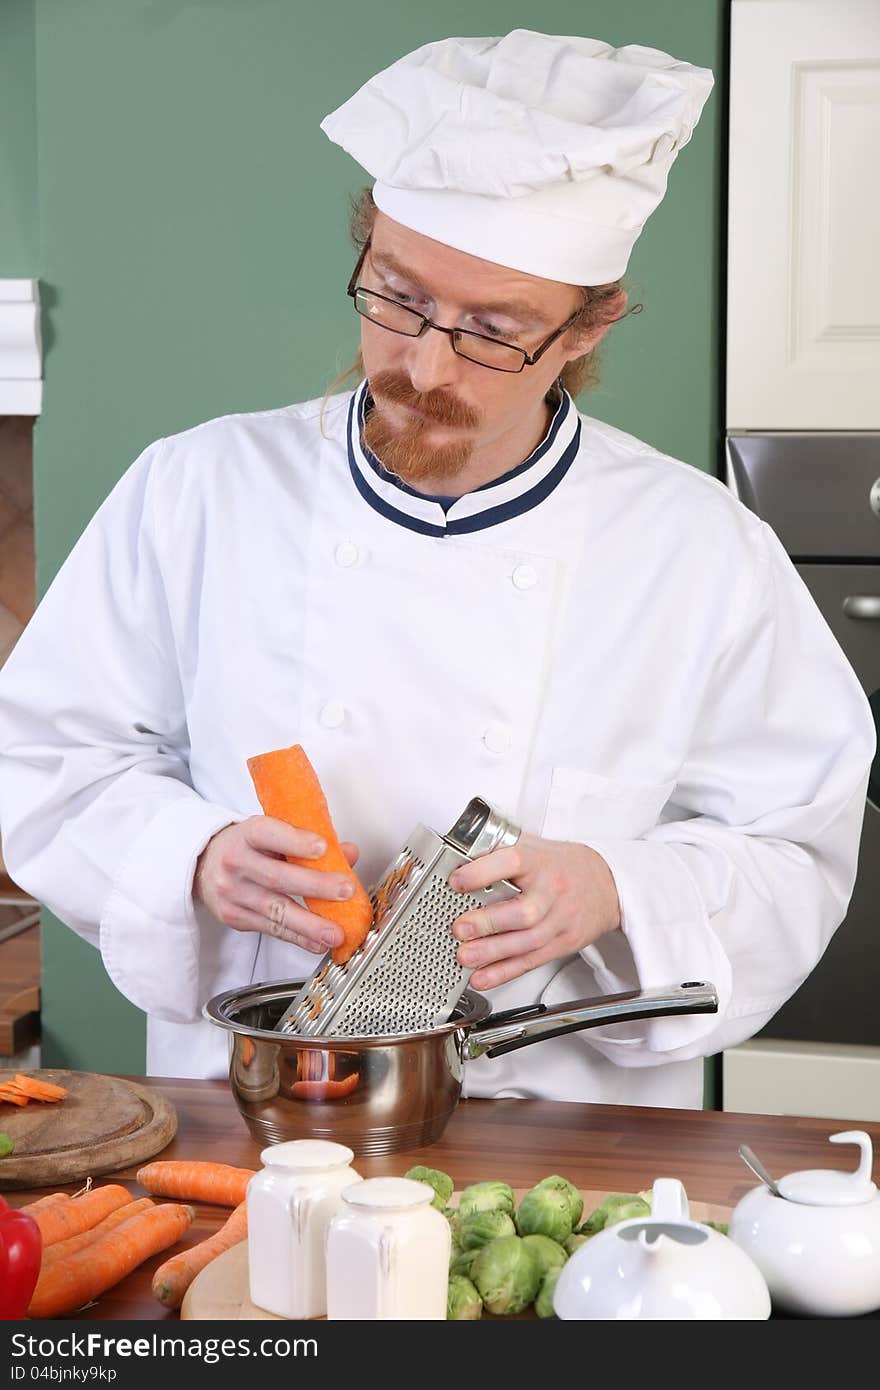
<point>516,492</point>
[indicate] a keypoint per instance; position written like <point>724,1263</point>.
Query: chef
<point>449,582</point>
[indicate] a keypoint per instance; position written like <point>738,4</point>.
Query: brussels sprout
<point>544,1302</point>
<point>547,1212</point>
<point>462,1300</point>
<point>487,1196</point>
<point>463,1259</point>
<point>721,1226</point>
<point>576,1201</point>
<point>441,1182</point>
<point>6,1145</point>
<point>484,1226</point>
<point>549,1253</point>
<point>506,1275</point>
<point>620,1206</point>
<point>575,1241</point>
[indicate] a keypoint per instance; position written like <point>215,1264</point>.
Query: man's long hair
<point>602,306</point>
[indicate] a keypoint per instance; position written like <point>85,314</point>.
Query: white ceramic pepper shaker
<point>290,1203</point>
<point>388,1252</point>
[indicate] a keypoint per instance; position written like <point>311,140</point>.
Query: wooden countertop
<point>602,1147</point>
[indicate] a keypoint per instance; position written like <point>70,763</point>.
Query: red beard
<point>409,450</point>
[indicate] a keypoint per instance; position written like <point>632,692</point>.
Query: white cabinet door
<point>804,215</point>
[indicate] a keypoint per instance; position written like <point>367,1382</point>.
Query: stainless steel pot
<point>384,1094</point>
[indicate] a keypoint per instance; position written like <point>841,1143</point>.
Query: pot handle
<point>514,1028</point>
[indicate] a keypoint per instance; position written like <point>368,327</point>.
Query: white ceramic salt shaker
<point>290,1203</point>
<point>388,1253</point>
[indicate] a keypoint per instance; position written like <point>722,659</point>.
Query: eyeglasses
<point>476,347</point>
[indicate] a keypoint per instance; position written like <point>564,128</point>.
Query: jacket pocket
<point>584,806</point>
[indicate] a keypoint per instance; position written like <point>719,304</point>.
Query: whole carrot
<point>196,1181</point>
<point>50,1200</point>
<point>62,1248</point>
<point>173,1278</point>
<point>65,1285</point>
<point>288,789</point>
<point>62,1219</point>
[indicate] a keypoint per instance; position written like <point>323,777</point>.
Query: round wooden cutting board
<point>103,1124</point>
<point>221,1290</point>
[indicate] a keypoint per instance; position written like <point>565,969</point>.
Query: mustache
<point>440,408</point>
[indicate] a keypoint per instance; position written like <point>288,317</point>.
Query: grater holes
<point>417,974</point>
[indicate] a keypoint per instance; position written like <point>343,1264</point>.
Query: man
<point>449,583</point>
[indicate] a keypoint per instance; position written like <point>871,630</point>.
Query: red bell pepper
<point>21,1250</point>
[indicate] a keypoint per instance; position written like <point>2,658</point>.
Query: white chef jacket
<point>604,643</point>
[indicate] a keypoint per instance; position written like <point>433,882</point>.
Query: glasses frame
<point>454,334</point>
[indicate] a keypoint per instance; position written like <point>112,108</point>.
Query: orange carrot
<point>62,1248</point>
<point>173,1278</point>
<point>65,1285</point>
<point>196,1181</point>
<point>37,1089</point>
<point>325,1090</point>
<point>63,1219</point>
<point>9,1095</point>
<point>51,1200</point>
<point>288,789</point>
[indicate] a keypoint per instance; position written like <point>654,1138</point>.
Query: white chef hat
<point>542,153</point>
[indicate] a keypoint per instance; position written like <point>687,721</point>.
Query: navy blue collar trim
<point>492,516</point>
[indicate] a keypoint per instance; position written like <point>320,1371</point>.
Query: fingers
<point>292,880</point>
<point>351,852</point>
<point>271,836</point>
<point>510,863</point>
<point>514,914</point>
<point>276,915</point>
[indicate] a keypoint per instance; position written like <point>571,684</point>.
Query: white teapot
<point>818,1245</point>
<point>661,1266</point>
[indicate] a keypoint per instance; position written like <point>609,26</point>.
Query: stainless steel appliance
<point>821,495</point>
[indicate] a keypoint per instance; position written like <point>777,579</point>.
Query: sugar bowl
<point>818,1242</point>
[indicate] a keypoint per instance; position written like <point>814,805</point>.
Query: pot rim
<point>215,1011</point>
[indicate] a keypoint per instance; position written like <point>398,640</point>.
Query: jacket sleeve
<point>746,881</point>
<point>98,816</point>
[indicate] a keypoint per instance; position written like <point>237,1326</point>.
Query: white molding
<point>21,367</point>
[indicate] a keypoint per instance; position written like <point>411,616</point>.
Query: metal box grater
<point>404,977</point>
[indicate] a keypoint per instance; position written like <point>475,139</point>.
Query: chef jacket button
<point>525,577</point>
<point>497,738</point>
<point>346,554</point>
<point>332,714</point>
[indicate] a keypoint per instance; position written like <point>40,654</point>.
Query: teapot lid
<point>824,1187</point>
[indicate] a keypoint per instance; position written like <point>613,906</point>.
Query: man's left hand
<point>567,900</point>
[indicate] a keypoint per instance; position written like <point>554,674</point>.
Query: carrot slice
<point>173,1278</point>
<point>196,1181</point>
<point>38,1090</point>
<point>10,1097</point>
<point>288,789</point>
<point>65,1285</point>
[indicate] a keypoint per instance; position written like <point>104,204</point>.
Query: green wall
<point>19,247</point>
<point>193,256</point>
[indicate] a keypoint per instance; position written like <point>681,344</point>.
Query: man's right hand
<point>243,879</point>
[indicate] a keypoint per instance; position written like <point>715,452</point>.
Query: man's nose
<point>432,363</point>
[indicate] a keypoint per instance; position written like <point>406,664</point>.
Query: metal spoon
<point>752,1161</point>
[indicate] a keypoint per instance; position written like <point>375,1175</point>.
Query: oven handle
<point>865,606</point>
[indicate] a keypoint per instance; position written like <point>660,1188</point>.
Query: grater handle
<point>515,1028</point>
<point>481,828</point>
